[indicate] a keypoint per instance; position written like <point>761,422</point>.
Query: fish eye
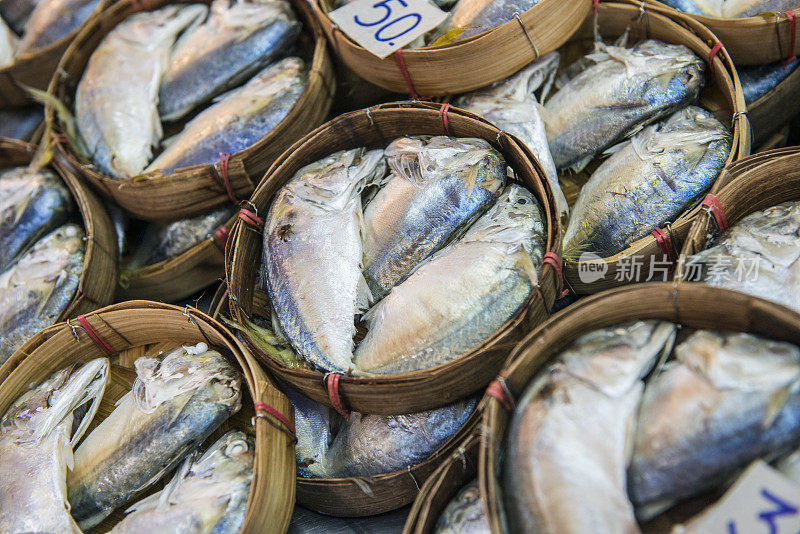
<point>522,201</point>
<point>236,447</point>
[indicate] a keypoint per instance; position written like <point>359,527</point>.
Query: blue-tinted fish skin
<point>52,20</point>
<point>761,79</point>
<point>20,123</point>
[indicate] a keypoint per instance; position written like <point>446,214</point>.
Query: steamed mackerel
<point>20,122</point>
<point>512,106</point>
<point>759,80</point>
<point>115,104</point>
<point>462,295</point>
<point>175,403</point>
<point>238,39</point>
<point>732,9</point>
<point>208,494</point>
<point>37,435</point>
<point>313,255</point>
<point>729,399</point>
<point>471,17</point>
<point>239,118</point>
<point>618,91</point>
<point>650,180</point>
<point>438,186</point>
<point>464,514</point>
<point>53,20</point>
<point>570,435</point>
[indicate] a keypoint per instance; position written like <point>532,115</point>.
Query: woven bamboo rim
<point>138,327</point>
<point>774,109</point>
<point>197,189</point>
<point>751,40</point>
<point>99,275</point>
<point>376,127</point>
<point>452,474</point>
<point>468,64</point>
<point>180,277</point>
<point>754,183</point>
<point>723,97</point>
<point>692,305</point>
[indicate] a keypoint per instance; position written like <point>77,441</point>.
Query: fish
<point>36,289</point>
<point>759,255</point>
<point>20,122</point>
<point>32,204</point>
<point>313,255</point>
<point>117,97</point>
<point>468,18</point>
<point>208,493</point>
<point>37,435</point>
<point>732,9</point>
<point>569,437</point>
<point>464,514</point>
<point>238,119</point>
<point>652,179</point>
<point>790,466</point>
<point>512,106</point>
<point>437,187</point>
<point>305,521</point>
<point>619,91</point>
<point>462,295</point>
<point>176,402</point>
<point>316,426</point>
<point>16,13</point>
<point>8,45</point>
<point>52,20</point>
<point>759,80</point>
<point>728,399</point>
<point>238,39</point>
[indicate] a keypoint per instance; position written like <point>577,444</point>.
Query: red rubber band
<point>61,139</point>
<point>100,342</point>
<point>332,385</point>
<point>793,37</point>
<point>251,219</point>
<point>141,5</point>
<point>497,391</point>
<point>717,47</point>
<point>226,182</point>
<point>594,5</point>
<point>712,203</point>
<point>664,243</point>
<point>398,57</point>
<point>553,261</point>
<point>221,238</point>
<point>264,407</point>
<point>443,117</point>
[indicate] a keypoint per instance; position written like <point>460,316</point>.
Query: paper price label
<point>384,26</point>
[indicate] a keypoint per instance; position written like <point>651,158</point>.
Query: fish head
<point>675,73</point>
<point>511,218</point>
<point>232,454</point>
<point>69,392</point>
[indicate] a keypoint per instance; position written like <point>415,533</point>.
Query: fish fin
<point>67,120</point>
<point>61,276</point>
<point>524,265</point>
<point>581,164</point>
<point>363,484</point>
<point>775,404</point>
<point>364,297</point>
<point>172,485</point>
<point>622,40</point>
<point>614,148</point>
<point>649,511</point>
<point>450,36</point>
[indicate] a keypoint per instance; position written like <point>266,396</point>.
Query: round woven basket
<point>137,328</point>
<point>692,305</point>
<point>722,96</point>
<point>771,112</point>
<point>419,390</point>
<point>464,65</point>
<point>197,189</point>
<point>99,275</point>
<point>752,40</point>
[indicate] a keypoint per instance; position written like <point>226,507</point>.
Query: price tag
<point>762,501</point>
<point>383,26</point>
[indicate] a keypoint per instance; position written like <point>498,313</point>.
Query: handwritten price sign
<point>384,26</point>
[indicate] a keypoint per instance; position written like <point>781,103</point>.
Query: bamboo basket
<point>723,97</point>
<point>100,272</point>
<point>198,189</point>
<point>691,305</point>
<point>139,328</point>
<point>442,485</point>
<point>420,390</point>
<point>36,68</point>
<point>467,64</point>
<point>754,183</point>
<point>751,40</point>
<point>772,111</point>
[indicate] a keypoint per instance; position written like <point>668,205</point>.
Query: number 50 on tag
<point>383,26</point>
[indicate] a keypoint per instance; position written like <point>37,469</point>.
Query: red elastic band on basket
<point>100,342</point>
<point>664,244</point>
<point>226,182</point>
<point>551,259</point>
<point>251,219</point>
<point>594,5</point>
<point>332,385</point>
<point>715,208</point>
<point>141,5</point>
<point>500,393</point>
<point>398,57</point>
<point>443,117</point>
<point>792,37</point>
<point>714,51</point>
<point>221,238</point>
<point>264,407</point>
<point>61,139</point>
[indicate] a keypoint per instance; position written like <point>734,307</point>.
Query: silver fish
<point>464,514</point>
<point>462,295</point>
<point>307,522</point>
<point>731,9</point>
<point>8,45</point>
<point>757,81</point>
<point>53,20</point>
<point>512,106</point>
<point>729,399</point>
<point>37,435</point>
<point>208,493</point>
<point>471,17</point>
<point>650,180</point>
<point>238,39</point>
<point>115,104</point>
<point>20,122</point>
<point>32,204</point>
<point>313,255</point>
<point>39,286</point>
<point>570,435</point>
<point>238,120</point>
<point>176,402</point>
<point>759,255</point>
<point>316,425</point>
<point>616,94</point>
<point>438,186</point>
